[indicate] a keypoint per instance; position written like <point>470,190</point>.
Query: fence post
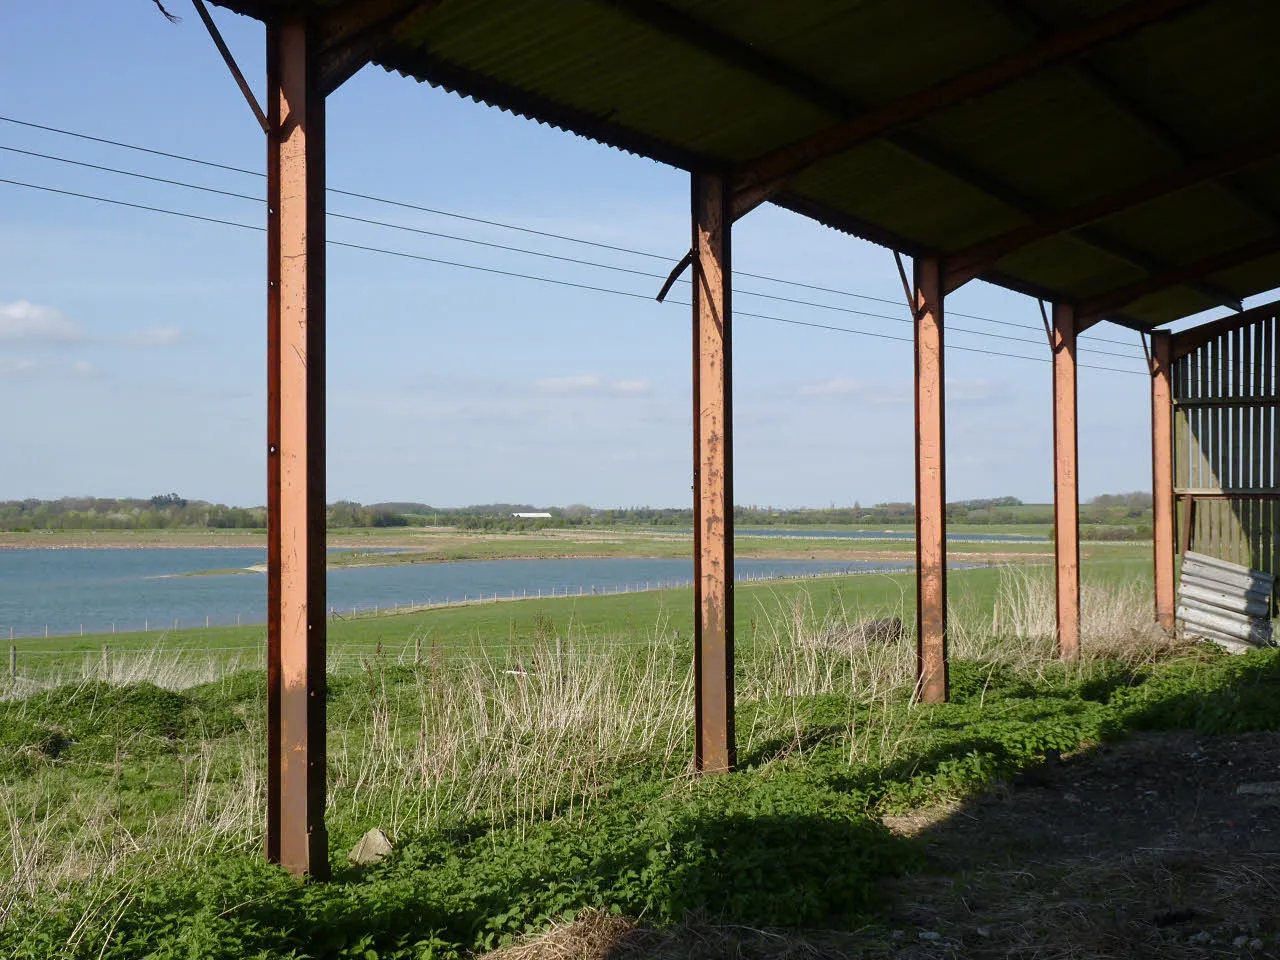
<point>13,664</point>
<point>417,651</point>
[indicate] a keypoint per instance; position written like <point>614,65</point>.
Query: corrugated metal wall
<point>1226,446</point>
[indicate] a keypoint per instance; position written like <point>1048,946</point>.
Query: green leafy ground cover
<point>554,779</point>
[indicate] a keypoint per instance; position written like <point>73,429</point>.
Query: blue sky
<point>132,344</point>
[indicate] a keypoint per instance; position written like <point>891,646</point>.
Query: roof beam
<point>756,181</point>
<point>354,34</point>
<point>964,265</point>
<point>751,60</point>
<point>735,53</point>
<point>1096,308</point>
<point>1095,76</point>
<point>1185,341</point>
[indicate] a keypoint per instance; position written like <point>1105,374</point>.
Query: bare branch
<point>167,15</point>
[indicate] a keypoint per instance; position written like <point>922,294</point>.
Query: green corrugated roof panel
<point>1136,107</point>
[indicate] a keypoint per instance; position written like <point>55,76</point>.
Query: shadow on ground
<point>1164,843</point>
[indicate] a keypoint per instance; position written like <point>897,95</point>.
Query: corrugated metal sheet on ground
<point>1226,603</point>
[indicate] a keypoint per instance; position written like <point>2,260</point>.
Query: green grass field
<point>494,626</point>
<point>535,767</point>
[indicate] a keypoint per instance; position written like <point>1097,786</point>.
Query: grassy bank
<point>491,628</point>
<point>536,764</point>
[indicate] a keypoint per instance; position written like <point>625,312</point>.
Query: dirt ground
<point>1162,846</point>
<point>1145,848</point>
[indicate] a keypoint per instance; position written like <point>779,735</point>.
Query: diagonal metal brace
<point>1146,352</point>
<point>674,275</point>
<point>232,66</point>
<point>906,286</point>
<point>1048,327</point>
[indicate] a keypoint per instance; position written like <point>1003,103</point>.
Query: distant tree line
<point>1120,515</point>
<point>165,512</point>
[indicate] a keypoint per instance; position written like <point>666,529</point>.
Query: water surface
<point>135,589</point>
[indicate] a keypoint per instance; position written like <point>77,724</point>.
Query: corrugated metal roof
<point>1132,108</point>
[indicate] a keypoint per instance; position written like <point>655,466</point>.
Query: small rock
<point>1239,942</point>
<point>899,934</point>
<point>373,846</point>
<point>983,932</point>
<point>930,935</point>
<point>1255,944</point>
<point>1202,937</point>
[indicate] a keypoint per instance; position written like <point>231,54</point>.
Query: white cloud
<point>975,391</point>
<point>864,391</point>
<point>591,383</point>
<point>631,388</point>
<point>839,387</point>
<point>26,322</point>
<point>563,386</point>
<point>16,366</point>
<point>27,367</point>
<point>959,392</point>
<point>155,337</point>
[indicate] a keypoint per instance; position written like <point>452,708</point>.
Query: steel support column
<point>1066,484</point>
<point>295,453</point>
<point>715,749</point>
<point>1162,474</point>
<point>931,483</point>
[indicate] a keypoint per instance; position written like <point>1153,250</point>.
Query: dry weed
<point>535,732</point>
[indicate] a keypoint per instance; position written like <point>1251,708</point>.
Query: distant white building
<point>532,516</point>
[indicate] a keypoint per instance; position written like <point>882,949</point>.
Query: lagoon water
<point>64,590</point>
<point>793,534</point>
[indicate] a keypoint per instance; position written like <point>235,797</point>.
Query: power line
<point>521,250</point>
<point>524,276</point>
<point>664,258</point>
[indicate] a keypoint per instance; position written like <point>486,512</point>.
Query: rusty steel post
<point>931,484</point>
<point>296,637</point>
<point>715,748</point>
<point>1162,474</point>
<point>273,457</point>
<point>1066,482</point>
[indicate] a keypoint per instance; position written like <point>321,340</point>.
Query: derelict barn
<point>1104,156</point>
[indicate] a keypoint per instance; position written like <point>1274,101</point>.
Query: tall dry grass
<point>1117,620</point>
<point>536,732</point>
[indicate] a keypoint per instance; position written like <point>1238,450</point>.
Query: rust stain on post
<point>1162,473</point>
<point>931,483</point>
<point>296,458</point>
<point>1066,485</point>
<point>713,476</point>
